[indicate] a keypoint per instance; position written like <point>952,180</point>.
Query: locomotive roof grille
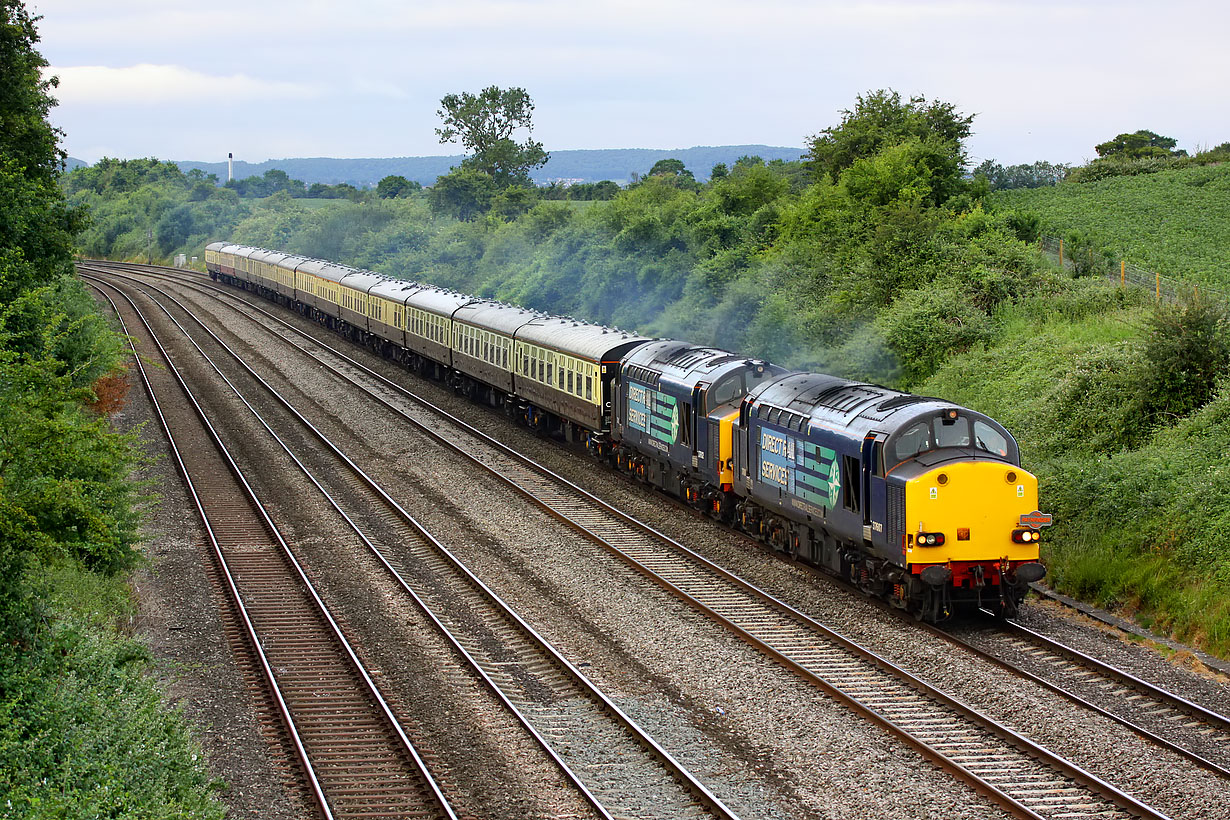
<point>897,402</point>
<point>846,397</point>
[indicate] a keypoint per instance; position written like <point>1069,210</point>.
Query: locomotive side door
<point>700,426</point>
<point>875,490</point>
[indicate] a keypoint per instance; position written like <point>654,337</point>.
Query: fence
<point>1084,259</point>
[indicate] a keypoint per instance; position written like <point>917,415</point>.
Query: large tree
<point>35,227</point>
<point>1139,145</point>
<point>484,124</point>
<point>882,119</point>
<point>25,97</point>
<point>64,488</point>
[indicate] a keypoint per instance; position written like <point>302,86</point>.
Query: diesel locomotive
<point>915,500</point>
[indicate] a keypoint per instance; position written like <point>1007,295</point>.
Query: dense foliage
<point>82,732</point>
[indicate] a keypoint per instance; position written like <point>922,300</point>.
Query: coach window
<point>589,388</point>
<point>569,381</point>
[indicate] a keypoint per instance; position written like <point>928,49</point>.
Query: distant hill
<point>73,162</point>
<point>584,166</point>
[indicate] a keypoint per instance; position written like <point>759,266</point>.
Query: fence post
<point>1157,287</point>
<point>1122,273</point>
<point>1061,254</point>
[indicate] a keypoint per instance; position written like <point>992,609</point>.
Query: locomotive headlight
<point>1026,536</point>
<point>931,539</point>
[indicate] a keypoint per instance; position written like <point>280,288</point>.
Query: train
<point>914,500</point>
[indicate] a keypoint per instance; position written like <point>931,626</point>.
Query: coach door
<point>875,491</point>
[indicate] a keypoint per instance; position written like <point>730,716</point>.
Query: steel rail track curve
<point>990,757</point>
<point>567,722</point>
<point>367,767</point>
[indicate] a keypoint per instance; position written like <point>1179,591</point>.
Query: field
<point>1175,222</point>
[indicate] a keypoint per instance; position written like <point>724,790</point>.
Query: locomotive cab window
<point>952,433</point>
<point>988,438</point>
<point>915,439</point>
<point>728,390</point>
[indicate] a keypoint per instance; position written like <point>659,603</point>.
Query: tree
<point>484,124</point>
<point>675,173</point>
<point>1139,145</point>
<point>25,98</point>
<point>463,193</point>
<point>64,488</point>
<point>36,227</point>
<point>1040,173</point>
<point>669,167</point>
<point>882,119</point>
<point>394,186</point>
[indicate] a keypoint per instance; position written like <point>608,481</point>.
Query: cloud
<point>144,84</point>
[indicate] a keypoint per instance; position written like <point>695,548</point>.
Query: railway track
<point>1173,722</point>
<point>355,759</point>
<point>618,768</point>
<point>1000,763</point>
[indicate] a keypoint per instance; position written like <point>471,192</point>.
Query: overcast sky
<point>363,78</point>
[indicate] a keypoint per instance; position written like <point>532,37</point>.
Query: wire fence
<point>1083,259</point>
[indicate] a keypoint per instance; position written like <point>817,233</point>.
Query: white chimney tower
<point>230,166</point>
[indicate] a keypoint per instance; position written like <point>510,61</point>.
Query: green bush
<point>83,733</point>
<point>925,327</point>
<point>1187,352</point>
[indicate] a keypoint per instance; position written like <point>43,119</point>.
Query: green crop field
<point>1174,222</point>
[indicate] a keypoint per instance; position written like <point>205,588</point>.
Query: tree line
<point>84,732</point>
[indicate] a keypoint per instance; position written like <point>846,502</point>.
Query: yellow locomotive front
<point>969,522</point>
<point>976,524</point>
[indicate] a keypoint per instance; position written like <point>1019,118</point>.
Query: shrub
<point>923,327</point>
<point>1187,351</point>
